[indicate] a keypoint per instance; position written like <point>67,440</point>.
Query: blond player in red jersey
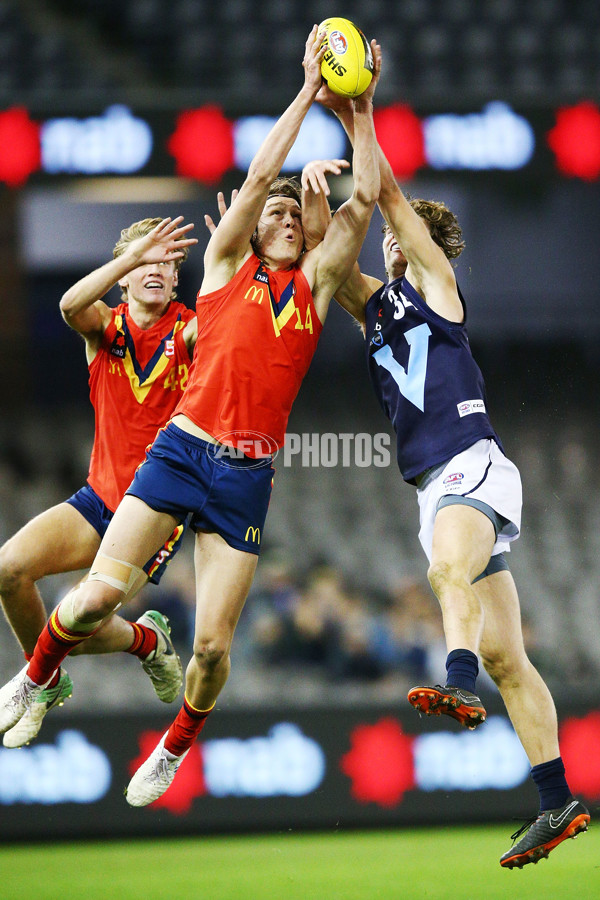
<point>138,356</point>
<point>260,311</point>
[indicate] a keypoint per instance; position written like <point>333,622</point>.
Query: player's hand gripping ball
<point>347,66</point>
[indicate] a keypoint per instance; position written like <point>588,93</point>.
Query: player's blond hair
<point>443,225</point>
<point>138,230</point>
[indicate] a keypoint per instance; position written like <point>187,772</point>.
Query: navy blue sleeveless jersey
<point>425,378</point>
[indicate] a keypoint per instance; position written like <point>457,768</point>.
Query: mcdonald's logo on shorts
<point>253,534</point>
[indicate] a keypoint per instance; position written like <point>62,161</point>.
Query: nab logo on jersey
<point>118,348</point>
<point>261,276</point>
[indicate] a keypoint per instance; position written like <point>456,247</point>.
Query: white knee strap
<point>115,572</point>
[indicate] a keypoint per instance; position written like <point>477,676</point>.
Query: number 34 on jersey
<point>410,381</point>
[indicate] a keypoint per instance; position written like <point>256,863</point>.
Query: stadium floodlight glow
<point>116,142</point>
<point>320,137</point>
<point>496,138</point>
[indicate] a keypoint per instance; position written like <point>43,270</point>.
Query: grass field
<point>441,864</point>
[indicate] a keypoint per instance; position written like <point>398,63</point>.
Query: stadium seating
<point>363,522</point>
<point>459,52</point>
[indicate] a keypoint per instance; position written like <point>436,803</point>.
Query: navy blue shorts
<point>87,502</point>
<point>227,493</point>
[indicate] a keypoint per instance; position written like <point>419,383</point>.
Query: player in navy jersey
<point>469,493</point>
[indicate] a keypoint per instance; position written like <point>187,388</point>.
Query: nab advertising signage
<point>281,770</point>
<point>204,144</point>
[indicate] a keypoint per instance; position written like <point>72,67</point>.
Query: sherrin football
<point>347,66</point>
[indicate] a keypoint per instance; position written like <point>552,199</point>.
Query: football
<point>347,66</point>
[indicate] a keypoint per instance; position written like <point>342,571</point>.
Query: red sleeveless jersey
<point>256,338</point>
<point>136,379</point>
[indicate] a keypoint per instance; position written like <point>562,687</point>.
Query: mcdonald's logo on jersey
<point>257,293</point>
<point>253,534</point>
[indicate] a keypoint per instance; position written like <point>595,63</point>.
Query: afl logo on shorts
<point>455,478</point>
<point>338,43</point>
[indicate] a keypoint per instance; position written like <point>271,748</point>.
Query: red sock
<point>54,643</point>
<point>186,728</point>
<point>144,641</point>
<point>55,678</point>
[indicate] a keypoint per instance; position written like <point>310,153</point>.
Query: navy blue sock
<point>551,783</point>
<point>462,668</point>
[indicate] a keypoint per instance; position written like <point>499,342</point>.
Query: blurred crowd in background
<point>341,609</point>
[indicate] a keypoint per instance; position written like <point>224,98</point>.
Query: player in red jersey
<point>138,356</point>
<point>260,311</point>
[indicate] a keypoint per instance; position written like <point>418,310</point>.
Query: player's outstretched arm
<point>344,237</point>
<point>390,194</point>
<point>230,243</point>
<point>82,307</point>
<point>190,332</point>
<point>429,270</point>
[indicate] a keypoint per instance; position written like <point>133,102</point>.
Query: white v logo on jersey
<point>412,380</point>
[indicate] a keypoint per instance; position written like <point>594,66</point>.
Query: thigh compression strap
<point>115,572</point>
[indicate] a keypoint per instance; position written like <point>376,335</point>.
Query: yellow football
<point>347,66</point>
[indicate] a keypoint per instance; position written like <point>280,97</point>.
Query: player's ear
<point>123,282</point>
<point>175,277</point>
